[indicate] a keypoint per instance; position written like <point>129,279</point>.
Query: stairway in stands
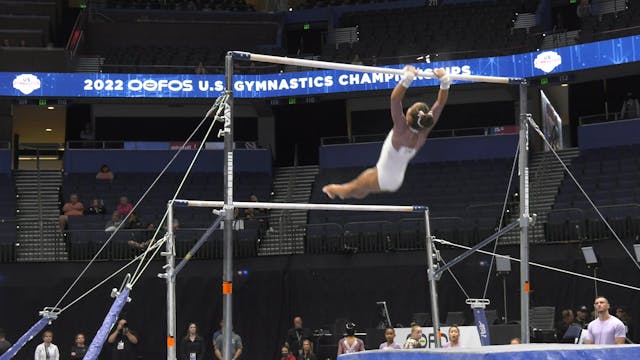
<point>545,176</point>
<point>287,227</point>
<point>38,240</point>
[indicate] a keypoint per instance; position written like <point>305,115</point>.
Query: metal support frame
<point>227,245</point>
<point>523,169</point>
<point>433,278</point>
<point>170,255</point>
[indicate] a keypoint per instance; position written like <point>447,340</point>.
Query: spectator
<point>4,343</point>
<point>415,340</point>
<point>47,350</point>
<point>79,349</point>
<point>113,224</point>
<point>350,343</point>
<point>104,173</point>
<point>200,70</point>
<point>87,133</point>
<point>192,346</point>
<point>582,317</point>
<point>217,333</point>
<point>454,337</point>
<point>515,341</point>
<point>251,213</point>
<point>296,335</point>
<point>307,351</point>
<point>144,244</point>
<point>630,107</point>
<point>584,9</point>
<point>390,336</point>
<point>606,328</point>
<point>97,207</point>
<point>623,314</point>
<point>123,341</point>
<point>134,222</point>
<point>236,345</point>
<point>124,207</point>
<point>285,354</point>
<point>72,208</point>
<point>567,320</point>
<point>356,60</point>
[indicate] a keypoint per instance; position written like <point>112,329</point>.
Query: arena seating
<point>7,218</point>
<point>27,23</point>
<point>465,199</point>
<point>611,25</point>
<point>464,28</point>
<point>190,5</point>
<point>86,233</point>
<point>611,177</point>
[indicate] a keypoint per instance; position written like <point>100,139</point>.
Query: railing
<point>475,131</point>
<point>585,224</point>
<point>599,118</point>
<point>77,34</point>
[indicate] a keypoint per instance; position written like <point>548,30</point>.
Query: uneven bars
<point>300,206</point>
<point>247,56</point>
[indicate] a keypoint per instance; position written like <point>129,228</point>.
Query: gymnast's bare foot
<point>333,190</point>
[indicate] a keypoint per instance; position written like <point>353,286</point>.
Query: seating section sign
<point>316,82</point>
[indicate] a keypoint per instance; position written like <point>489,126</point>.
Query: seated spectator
<point>79,349</point>
<point>515,341</point>
<point>47,350</point>
<point>254,213</point>
<point>200,70</point>
<point>285,354</point>
<point>97,207</point>
<point>584,9</point>
<point>630,107</point>
<point>416,340</point>
<point>104,173</point>
<point>4,344</point>
<point>113,224</point>
<point>567,320</point>
<point>72,208</point>
<point>307,351</point>
<point>144,244</point>
<point>390,336</point>
<point>124,207</point>
<point>133,222</point>
<point>350,343</point>
<point>454,337</point>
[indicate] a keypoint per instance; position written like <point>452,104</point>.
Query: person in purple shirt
<point>606,328</point>
<point>390,336</point>
<point>454,337</point>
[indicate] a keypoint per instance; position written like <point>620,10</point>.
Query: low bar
<point>246,56</point>
<point>301,206</point>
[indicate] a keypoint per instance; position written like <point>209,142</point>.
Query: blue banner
<point>98,85</point>
<point>483,327</point>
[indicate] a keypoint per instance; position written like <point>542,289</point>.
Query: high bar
<point>300,206</point>
<point>247,56</point>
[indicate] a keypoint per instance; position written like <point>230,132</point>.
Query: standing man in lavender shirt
<point>606,328</point>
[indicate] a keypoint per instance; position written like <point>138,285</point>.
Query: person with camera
<point>122,342</point>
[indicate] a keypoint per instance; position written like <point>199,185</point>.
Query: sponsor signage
<point>98,85</point>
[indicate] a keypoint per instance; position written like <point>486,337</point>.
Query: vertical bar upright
<point>171,285</point>
<point>524,215</point>
<point>227,247</point>
<point>431,274</point>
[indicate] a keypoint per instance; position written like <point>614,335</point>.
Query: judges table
<point>506,352</point>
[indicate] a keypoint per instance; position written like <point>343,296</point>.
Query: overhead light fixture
<point>590,256</point>
<point>50,107</point>
<point>48,130</point>
<point>564,85</point>
<point>636,248</point>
